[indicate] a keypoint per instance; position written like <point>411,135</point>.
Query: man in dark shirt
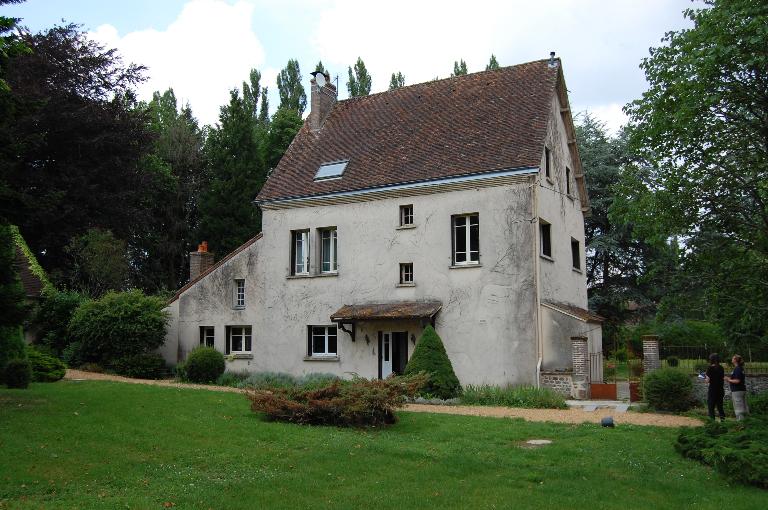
<point>738,384</point>
<point>715,392</point>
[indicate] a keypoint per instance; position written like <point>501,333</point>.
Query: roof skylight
<point>331,170</point>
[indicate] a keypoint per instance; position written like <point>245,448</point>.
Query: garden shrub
<point>91,367</point>
<point>265,380</point>
<point>758,404</point>
<point>148,365</point>
<point>118,325</point>
<point>73,354</point>
<point>233,379</point>
<point>430,357</point>
<point>513,396</point>
<point>673,361</point>
<point>738,450</point>
<point>667,389</point>
<point>204,365</point>
<point>359,403</point>
<point>53,316</point>
<point>45,368</point>
<point>18,373</point>
<point>11,347</point>
<point>315,380</point>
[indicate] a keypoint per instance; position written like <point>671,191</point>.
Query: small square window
<point>207,336</point>
<point>240,293</point>
<point>545,232</point>
<point>406,273</point>
<point>576,254</point>
<point>238,340</point>
<point>406,215</point>
<point>321,341</point>
<point>331,170</point>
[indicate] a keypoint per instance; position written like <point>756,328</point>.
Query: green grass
<point>110,445</point>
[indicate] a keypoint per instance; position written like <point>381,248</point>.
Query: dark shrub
<point>53,316</point>
<point>11,347</point>
<point>73,354</point>
<point>118,325</point>
<point>673,361</point>
<point>149,365</point>
<point>739,450</point>
<point>668,389</point>
<point>204,365</point>
<point>18,373</point>
<point>45,368</point>
<point>430,357</point>
<point>359,403</point>
<point>758,404</point>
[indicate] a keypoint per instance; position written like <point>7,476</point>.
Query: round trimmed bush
<point>668,389</point>
<point>430,357</point>
<point>18,373</point>
<point>45,368</point>
<point>148,365</point>
<point>204,365</point>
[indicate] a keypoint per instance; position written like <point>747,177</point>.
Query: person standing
<point>738,384</point>
<point>715,392</point>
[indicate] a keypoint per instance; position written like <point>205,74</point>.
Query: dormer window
<point>332,170</point>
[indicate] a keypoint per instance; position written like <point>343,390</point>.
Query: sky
<point>204,48</point>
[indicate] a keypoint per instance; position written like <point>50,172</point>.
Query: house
<point>458,202</point>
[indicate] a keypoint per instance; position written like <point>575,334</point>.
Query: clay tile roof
<point>575,311</point>
<point>397,310</point>
<point>481,122</point>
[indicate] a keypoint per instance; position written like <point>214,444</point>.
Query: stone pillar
<point>200,261</point>
<point>651,359</point>
<point>580,377</point>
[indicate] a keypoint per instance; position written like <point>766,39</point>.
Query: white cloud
<point>610,114</point>
<point>206,52</point>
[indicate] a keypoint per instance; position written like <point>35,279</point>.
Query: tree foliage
<point>290,88</point>
<point>459,68</point>
<point>492,64</point>
<point>359,83</point>
<point>396,81</point>
<point>98,263</point>
<point>12,308</point>
<point>702,127</point>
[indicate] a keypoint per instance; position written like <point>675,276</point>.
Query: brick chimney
<point>322,99</point>
<point>199,261</point>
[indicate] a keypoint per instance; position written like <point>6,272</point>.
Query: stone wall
<point>756,383</point>
<point>560,382</point>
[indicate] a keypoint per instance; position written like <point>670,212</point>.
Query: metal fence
<point>695,358</point>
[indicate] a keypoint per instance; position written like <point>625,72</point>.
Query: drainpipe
<point>537,279</point>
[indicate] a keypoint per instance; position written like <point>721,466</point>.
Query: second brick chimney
<point>199,261</point>
<point>322,99</point>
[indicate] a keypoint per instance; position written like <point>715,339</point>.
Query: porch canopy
<point>398,310</point>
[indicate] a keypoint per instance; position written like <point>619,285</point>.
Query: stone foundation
<point>561,382</point>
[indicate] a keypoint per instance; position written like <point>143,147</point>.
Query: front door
<point>393,352</point>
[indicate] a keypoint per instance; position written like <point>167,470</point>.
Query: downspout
<point>537,278</point>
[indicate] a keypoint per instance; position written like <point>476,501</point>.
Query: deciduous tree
<point>396,81</point>
<point>290,88</point>
<point>359,83</point>
<point>459,68</point>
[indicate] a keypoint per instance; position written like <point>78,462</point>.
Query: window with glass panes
<point>322,341</point>
<point>406,215</point>
<point>238,339</point>
<point>328,250</point>
<point>466,239</point>
<point>406,273</point>
<point>207,336</point>
<point>239,293</point>
<point>300,252</point>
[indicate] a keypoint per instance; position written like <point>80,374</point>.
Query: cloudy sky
<point>203,48</point>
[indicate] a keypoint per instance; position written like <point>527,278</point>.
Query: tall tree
<point>493,64</point>
<point>396,81</point>
<point>459,68</point>
<point>359,83</point>
<point>290,89</point>
<point>78,140</point>
<point>702,125</point>
<point>283,128</point>
<point>320,67</point>
<point>264,108</point>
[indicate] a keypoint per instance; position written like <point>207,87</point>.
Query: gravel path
<point>551,415</point>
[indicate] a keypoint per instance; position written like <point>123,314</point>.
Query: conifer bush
<point>18,373</point>
<point>45,368</point>
<point>430,357</point>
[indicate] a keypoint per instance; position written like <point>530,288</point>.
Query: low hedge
<point>667,389</point>
<point>357,403</point>
<point>149,365</point>
<point>513,396</point>
<point>45,368</point>
<point>203,365</point>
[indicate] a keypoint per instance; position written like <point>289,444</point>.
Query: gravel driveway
<point>551,415</point>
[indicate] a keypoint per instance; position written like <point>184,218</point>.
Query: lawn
<point>109,445</point>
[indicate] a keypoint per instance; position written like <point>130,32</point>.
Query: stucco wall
<point>557,329</point>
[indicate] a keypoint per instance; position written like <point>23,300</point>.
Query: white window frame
<point>245,333</point>
<point>333,250</point>
<point>467,218</point>
<point>239,293</point>
<point>545,226</point>
<point>406,215</point>
<point>406,273</point>
<point>207,336</point>
<point>300,257</point>
<point>323,332</point>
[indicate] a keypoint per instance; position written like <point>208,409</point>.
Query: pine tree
<point>290,89</point>
<point>396,81</point>
<point>430,356</point>
<point>359,83</point>
<point>493,64</point>
<point>320,68</point>
<point>459,68</point>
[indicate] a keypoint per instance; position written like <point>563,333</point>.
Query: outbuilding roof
<point>482,122</point>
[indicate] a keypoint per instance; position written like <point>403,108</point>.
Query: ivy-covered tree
<point>359,83</point>
<point>492,64</point>
<point>396,81</point>
<point>459,68</point>
<point>290,88</point>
